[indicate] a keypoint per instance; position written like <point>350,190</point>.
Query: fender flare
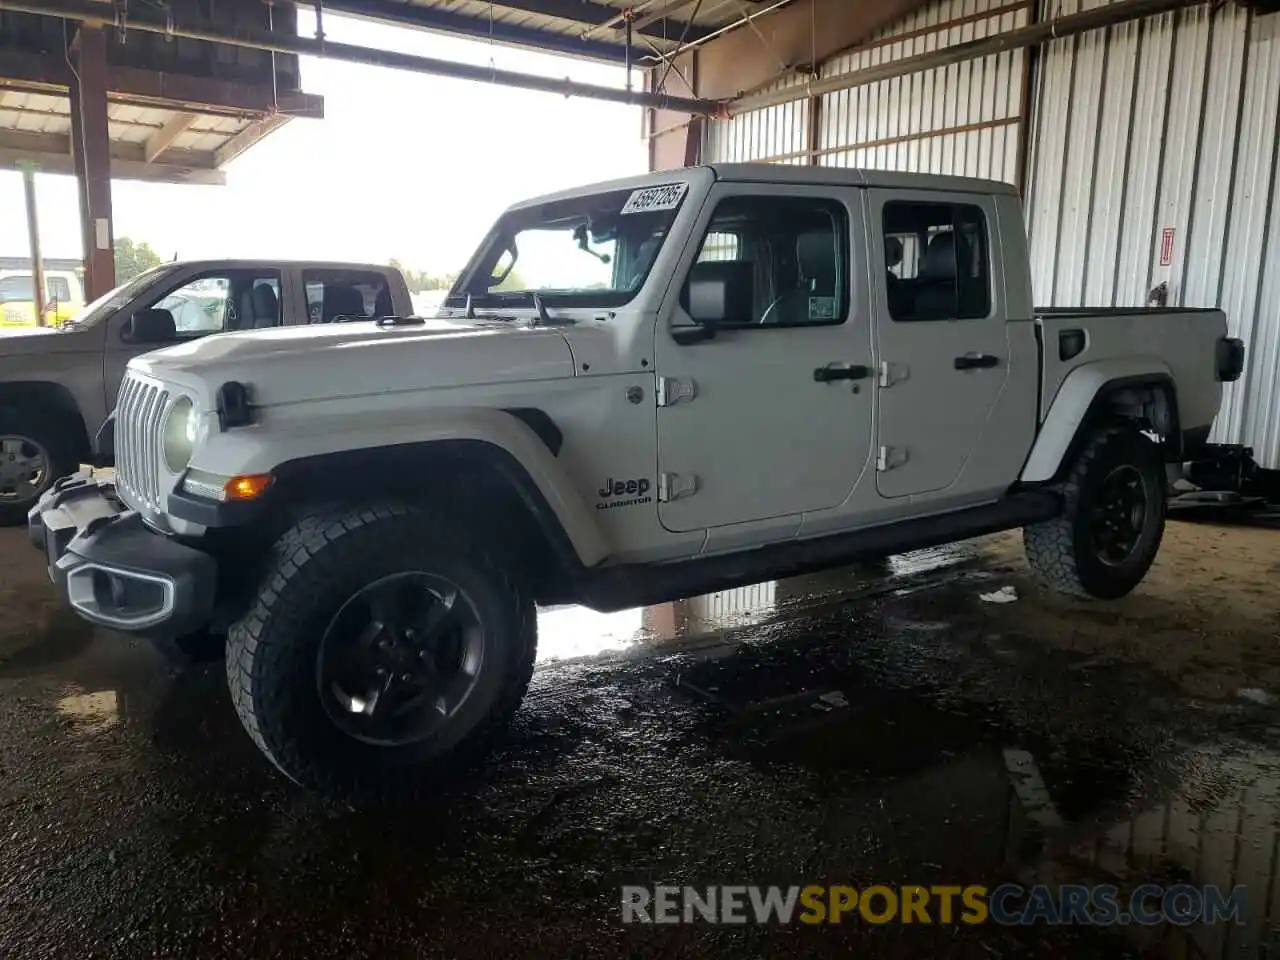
<point>500,436</point>
<point>1081,392</point>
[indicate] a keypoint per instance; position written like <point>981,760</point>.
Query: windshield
<point>593,250</point>
<point>112,301</point>
<point>17,289</point>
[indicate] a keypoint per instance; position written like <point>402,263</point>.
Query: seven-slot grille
<point>139,413</point>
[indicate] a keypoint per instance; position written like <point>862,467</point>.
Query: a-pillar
<point>91,145</point>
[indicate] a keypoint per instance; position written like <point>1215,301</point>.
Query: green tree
<point>419,281</point>
<point>133,258</point>
<point>512,281</point>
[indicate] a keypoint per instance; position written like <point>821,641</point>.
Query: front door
<point>940,329</point>
<point>771,417</point>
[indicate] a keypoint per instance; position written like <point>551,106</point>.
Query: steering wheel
<point>765,317</point>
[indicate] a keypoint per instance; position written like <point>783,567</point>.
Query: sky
<point>403,165</point>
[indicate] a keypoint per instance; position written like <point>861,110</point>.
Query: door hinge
<point>890,457</point>
<point>676,486</point>
<point>672,391</point>
<point>891,373</point>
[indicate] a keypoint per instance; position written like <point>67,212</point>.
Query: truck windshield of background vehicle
<point>112,301</point>
<point>594,250</point>
<point>17,288</point>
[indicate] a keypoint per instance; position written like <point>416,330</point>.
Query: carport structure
<point>102,102</point>
<point>1144,134</point>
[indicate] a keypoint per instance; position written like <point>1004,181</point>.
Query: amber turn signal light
<point>250,486</point>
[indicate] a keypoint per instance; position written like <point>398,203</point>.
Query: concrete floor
<point>692,744</point>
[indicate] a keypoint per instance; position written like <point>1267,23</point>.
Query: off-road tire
<point>51,432</point>
<point>1060,550</point>
<point>272,650</point>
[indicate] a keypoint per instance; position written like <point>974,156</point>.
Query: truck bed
<point>1103,313</point>
<point>1178,342</point>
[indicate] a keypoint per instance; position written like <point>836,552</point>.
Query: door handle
<point>976,361</point>
<point>829,373</point>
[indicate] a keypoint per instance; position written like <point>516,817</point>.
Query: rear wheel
<point>383,647</point>
<point>1112,522</point>
<point>35,450</point>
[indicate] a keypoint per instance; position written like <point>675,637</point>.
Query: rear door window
<point>343,296</point>
<point>936,261</point>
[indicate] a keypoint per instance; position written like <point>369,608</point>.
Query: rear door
<point>940,329</point>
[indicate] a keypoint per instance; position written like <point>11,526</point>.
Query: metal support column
<point>91,145</point>
<point>33,237</point>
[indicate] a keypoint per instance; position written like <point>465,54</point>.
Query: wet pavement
<point>883,724</point>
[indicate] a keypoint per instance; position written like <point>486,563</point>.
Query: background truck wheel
<point>35,450</point>
<point>1113,518</point>
<point>382,647</point>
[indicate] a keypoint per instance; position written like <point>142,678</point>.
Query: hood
<point>326,361</point>
<point>25,341</point>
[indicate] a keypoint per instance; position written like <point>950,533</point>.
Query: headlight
<point>180,435</point>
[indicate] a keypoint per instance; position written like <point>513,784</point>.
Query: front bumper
<point>115,571</point>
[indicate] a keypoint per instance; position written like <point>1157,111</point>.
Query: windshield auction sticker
<point>666,197</point>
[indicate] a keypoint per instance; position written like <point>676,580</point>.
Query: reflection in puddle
<point>568,632</point>
<point>1219,829</point>
<point>92,711</point>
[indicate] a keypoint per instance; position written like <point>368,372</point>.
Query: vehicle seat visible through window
<point>382,306</point>
<point>813,297</point>
<point>341,302</point>
<point>266,307</point>
<point>936,293</point>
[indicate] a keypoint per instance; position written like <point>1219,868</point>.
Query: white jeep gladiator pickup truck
<point>57,385</point>
<point>717,376</point>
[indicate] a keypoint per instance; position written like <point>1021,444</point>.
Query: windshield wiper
<point>545,319</point>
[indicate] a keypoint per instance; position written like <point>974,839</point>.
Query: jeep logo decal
<point>636,491</point>
<point>622,488</point>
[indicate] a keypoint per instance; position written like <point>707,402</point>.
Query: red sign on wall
<point>1166,247</point>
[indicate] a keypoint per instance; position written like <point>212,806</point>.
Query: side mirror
<point>150,326</point>
<point>717,293</point>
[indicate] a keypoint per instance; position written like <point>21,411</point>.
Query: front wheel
<point>1112,522</point>
<point>383,646</point>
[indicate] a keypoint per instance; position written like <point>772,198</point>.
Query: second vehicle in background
<point>63,299</point>
<point>58,385</point>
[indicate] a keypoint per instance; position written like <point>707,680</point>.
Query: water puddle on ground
<point>90,712</point>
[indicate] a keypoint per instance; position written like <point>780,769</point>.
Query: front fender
<point>287,435</point>
<point>1072,403</point>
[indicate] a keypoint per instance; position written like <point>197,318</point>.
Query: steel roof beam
<point>146,21</point>
<point>479,28</point>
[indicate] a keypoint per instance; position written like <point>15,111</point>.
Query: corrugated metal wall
<point>779,134</point>
<point>962,120</point>
<point>1153,160</point>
